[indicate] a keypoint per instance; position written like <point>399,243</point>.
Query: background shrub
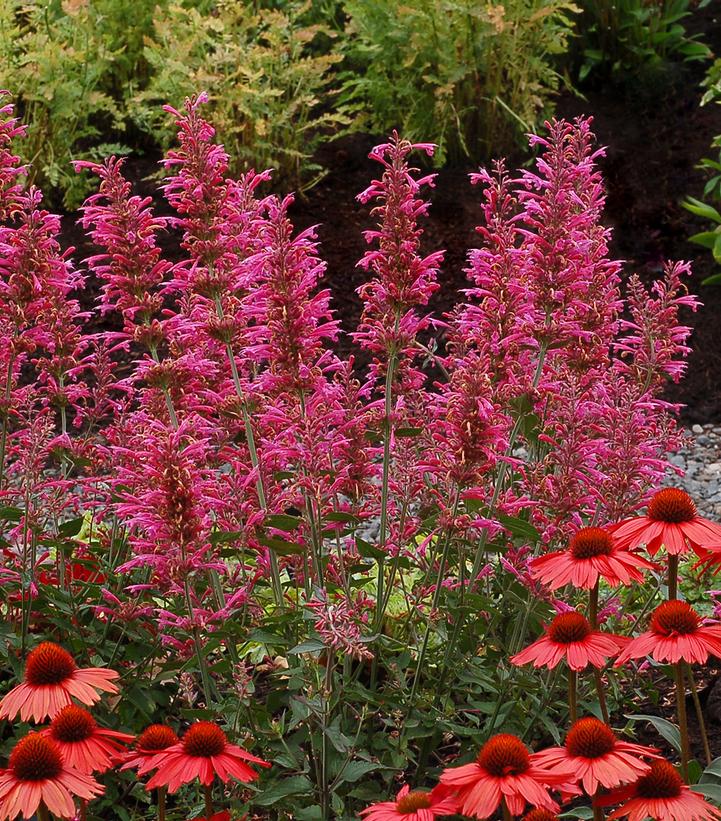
<point>268,73</point>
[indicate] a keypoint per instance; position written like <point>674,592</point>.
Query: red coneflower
<point>662,795</point>
<point>503,771</point>
<point>416,805</point>
<point>52,680</point>
<point>203,753</point>
<point>596,757</point>
<point>591,555</point>
<point>37,776</point>
<point>153,740</point>
<point>671,521</point>
<point>85,746</point>
<point>570,636</point>
<point>675,634</point>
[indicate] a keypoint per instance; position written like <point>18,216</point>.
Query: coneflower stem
<point>699,716</point>
<point>83,810</point>
<point>506,812</point>
<point>572,708</point>
<point>672,577</point>
<point>593,605</point>
<point>43,814</point>
<point>682,718</point>
<point>208,801</point>
<point>593,621</point>
<point>161,803</point>
<point>598,679</point>
<point>597,811</point>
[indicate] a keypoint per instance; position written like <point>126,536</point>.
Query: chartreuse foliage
<point>269,74</point>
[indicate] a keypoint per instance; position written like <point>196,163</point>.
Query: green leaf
<point>665,728</point>
<point>283,521</point>
<point>701,209</point>
<point>295,785</point>
<point>713,771</point>
<point>312,813</point>
<point>519,527</point>
<point>369,551</point>
<point>355,770</point>
<point>578,812</point>
<point>712,791</point>
<point>714,279</point>
<point>705,238</point>
<point>282,547</point>
<point>71,528</point>
<point>309,646</point>
<point>10,514</point>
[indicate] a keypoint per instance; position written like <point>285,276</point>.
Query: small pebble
<point>699,459</point>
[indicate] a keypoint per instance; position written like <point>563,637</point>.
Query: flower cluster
<point>48,769</point>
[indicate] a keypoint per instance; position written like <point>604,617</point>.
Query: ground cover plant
<point>241,576</point>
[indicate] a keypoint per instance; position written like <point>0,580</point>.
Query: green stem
<point>597,810</point>
<point>436,597</point>
<point>593,606</point>
<point>699,716</point>
<point>506,812</point>
<point>4,435</point>
<point>208,794</point>
<point>597,677</point>
<point>572,703</point>
<point>255,462</point>
<point>601,693</point>
<point>162,791</point>
<point>43,814</point>
<point>682,718</point>
<point>672,577</point>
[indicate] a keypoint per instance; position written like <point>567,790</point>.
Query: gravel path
<point>701,461</point>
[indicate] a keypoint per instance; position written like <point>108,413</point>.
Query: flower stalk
<point>682,718</point>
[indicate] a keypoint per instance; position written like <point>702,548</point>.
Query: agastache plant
<point>257,503</point>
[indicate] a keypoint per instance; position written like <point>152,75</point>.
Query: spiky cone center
<point>204,740</point>
<point>503,755</point>
<point>36,758</point>
<point>671,505</point>
<point>48,663</point>
<point>590,738</point>
<point>662,781</point>
<point>72,724</point>
<point>539,814</point>
<point>674,618</point>
<point>156,737</point>
<point>567,628</point>
<point>590,542</point>
<point>413,801</point>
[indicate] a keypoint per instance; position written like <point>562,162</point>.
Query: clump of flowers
<point>349,559</point>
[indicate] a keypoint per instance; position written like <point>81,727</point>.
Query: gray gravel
<point>701,462</point>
